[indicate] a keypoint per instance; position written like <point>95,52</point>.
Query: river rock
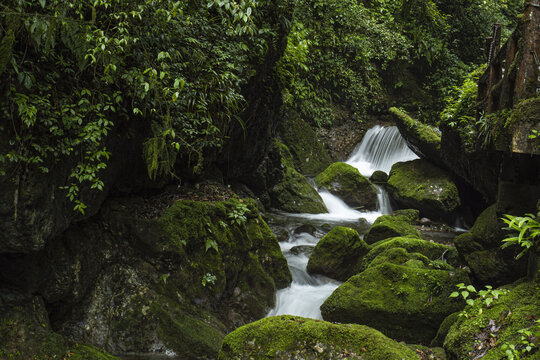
<point>302,250</point>
<point>338,254</point>
<point>292,337</point>
<point>438,254</point>
<point>485,329</point>
<point>421,185</point>
<point>346,182</point>
<point>389,226</point>
<point>480,247</point>
<point>379,177</point>
<point>402,302</point>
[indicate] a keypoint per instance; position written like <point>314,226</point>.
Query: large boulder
<point>385,251</point>
<point>418,184</point>
<point>292,337</point>
<point>337,254</point>
<point>157,275</point>
<point>402,302</point>
<point>480,248</point>
<point>484,329</point>
<point>389,226</point>
<point>292,192</point>
<point>308,153</point>
<point>346,182</point>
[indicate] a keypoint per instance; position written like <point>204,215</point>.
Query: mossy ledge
<point>292,337</point>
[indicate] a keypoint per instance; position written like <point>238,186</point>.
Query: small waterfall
<point>380,148</point>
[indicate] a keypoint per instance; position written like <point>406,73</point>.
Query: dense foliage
<point>72,71</point>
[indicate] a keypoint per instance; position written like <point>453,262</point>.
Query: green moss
<point>402,302</point>
<point>346,182</point>
<point>430,250</point>
<point>526,110</point>
<point>400,256</point>
<point>420,185</point>
<point>379,177</point>
<point>424,133</point>
<point>290,337</point>
<point>337,254</point>
<point>293,193</point>
<point>389,226</point>
<point>308,154</point>
<point>89,352</point>
<point>512,312</point>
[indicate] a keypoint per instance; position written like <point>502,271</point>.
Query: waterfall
<point>380,148</point>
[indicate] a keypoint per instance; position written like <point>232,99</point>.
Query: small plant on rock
<point>471,296</point>
<point>238,214</point>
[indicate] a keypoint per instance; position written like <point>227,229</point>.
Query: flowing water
<point>380,148</point>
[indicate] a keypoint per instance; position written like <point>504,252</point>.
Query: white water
<point>379,150</point>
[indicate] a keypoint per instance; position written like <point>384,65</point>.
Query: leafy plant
<point>208,279</point>
<point>471,296</point>
<point>527,229</point>
<point>527,343</point>
<point>238,214</point>
<point>164,278</point>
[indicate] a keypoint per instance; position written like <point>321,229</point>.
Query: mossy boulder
<point>390,226</point>
<point>404,303</point>
<point>308,153</point>
<point>480,248</point>
<point>346,182</point>
<point>337,254</point>
<point>292,337</point>
<point>418,184</point>
<point>293,193</point>
<point>379,177</point>
<point>438,340</point>
<point>435,252</point>
<point>424,140</point>
<point>484,332</point>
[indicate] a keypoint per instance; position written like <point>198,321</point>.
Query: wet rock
<point>291,337</point>
<point>338,254</point>
<point>379,177</point>
<point>389,226</point>
<point>302,250</point>
<point>346,182</point>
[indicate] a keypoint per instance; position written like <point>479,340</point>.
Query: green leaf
<point>454,294</point>
<point>470,302</point>
<point>43,3</point>
<point>471,288</point>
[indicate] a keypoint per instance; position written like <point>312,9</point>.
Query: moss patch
<point>290,337</point>
<point>416,131</point>
<point>420,185</point>
<point>89,352</point>
<point>514,311</point>
<point>337,254</point>
<point>402,302</point>
<point>346,182</point>
<point>389,226</point>
<point>308,153</point>
<point>293,193</point>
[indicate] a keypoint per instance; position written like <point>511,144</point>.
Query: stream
<point>380,148</point>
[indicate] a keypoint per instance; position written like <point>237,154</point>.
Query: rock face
<point>289,337</point>
<point>420,185</point>
<point>404,303</point>
<point>130,282</point>
<point>389,226</point>
<point>346,182</point>
<point>482,333</point>
<point>337,254</point>
<point>481,250</point>
<point>309,156</point>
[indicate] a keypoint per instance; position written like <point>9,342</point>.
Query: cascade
<point>380,148</point>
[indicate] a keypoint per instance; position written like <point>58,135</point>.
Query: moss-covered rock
<point>484,332</point>
<point>425,140</point>
<point>438,340</point>
<point>431,250</point>
<point>418,184</point>
<point>389,226</point>
<point>89,352</point>
<point>290,337</point>
<point>337,254</point>
<point>412,215</point>
<point>308,153</point>
<point>346,182</point>
<point>480,248</point>
<point>379,177</point>
<point>400,256</point>
<point>404,303</point>
<point>293,193</point>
